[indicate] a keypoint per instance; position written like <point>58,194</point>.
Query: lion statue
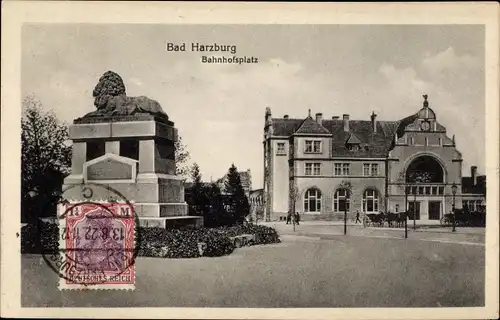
<point>110,99</point>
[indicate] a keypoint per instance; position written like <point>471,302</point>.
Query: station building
<point>322,167</point>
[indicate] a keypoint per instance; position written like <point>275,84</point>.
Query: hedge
<point>158,242</point>
<point>263,234</point>
<point>40,238</point>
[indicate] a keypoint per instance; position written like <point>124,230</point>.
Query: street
<point>342,271</point>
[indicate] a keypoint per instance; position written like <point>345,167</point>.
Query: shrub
<point>263,234</point>
<point>157,242</point>
<point>41,238</point>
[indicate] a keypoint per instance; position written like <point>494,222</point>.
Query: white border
<point>14,13</point>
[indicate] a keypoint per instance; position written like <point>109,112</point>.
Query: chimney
<point>374,121</point>
<point>346,122</point>
<point>285,116</point>
<point>335,117</point>
<point>473,174</point>
<point>319,118</point>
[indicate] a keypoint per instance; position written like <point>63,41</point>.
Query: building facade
<point>323,167</point>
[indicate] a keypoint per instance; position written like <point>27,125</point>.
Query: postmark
<point>97,239</point>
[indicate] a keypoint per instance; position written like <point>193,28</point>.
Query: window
<point>472,205</point>
<point>345,169</point>
<point>440,141</point>
<point>341,200</point>
<point>129,149</point>
<point>313,169</point>
<point>316,169</point>
<point>313,146</point>
<point>281,148</point>
<point>370,200</point>
<point>434,191</point>
<point>312,201</point>
<point>370,169</point>
<point>366,169</point>
<point>308,169</point>
<point>353,147</point>
<point>338,169</point>
<point>441,190</point>
<point>397,207</point>
<point>411,140</point>
<point>95,149</point>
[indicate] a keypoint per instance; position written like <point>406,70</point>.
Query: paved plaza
<point>302,271</point>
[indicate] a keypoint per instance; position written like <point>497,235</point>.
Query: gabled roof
<point>310,126</point>
<point>377,143</point>
<point>353,139</point>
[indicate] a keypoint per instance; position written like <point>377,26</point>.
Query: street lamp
<point>415,209</point>
<point>407,190</point>
<point>454,192</point>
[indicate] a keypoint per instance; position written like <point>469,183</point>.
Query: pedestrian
<point>288,218</point>
<point>357,217</point>
<point>297,218</point>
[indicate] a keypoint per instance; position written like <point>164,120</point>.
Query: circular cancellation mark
<point>97,240</point>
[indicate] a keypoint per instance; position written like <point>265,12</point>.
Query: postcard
<point>250,160</point>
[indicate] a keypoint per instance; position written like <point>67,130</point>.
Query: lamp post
<point>406,211</point>
<point>415,209</point>
<point>454,192</point>
<point>345,219</point>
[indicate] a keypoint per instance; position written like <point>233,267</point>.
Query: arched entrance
<point>425,177</point>
<point>425,169</point>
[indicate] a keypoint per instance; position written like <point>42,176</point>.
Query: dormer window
<point>353,143</point>
<point>353,147</point>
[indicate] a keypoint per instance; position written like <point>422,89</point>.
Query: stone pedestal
<point>133,155</point>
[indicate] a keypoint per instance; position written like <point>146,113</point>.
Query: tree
<point>198,199</point>
<point>236,200</point>
<point>182,157</point>
<point>294,196</point>
<point>45,160</point>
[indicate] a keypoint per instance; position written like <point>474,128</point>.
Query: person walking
<point>288,218</point>
<point>357,217</point>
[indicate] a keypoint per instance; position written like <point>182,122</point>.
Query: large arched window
<point>424,169</point>
<point>312,200</point>
<point>370,200</point>
<point>341,200</point>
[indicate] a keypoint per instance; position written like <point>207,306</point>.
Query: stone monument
<point>128,145</point>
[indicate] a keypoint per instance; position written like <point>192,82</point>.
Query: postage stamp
<point>96,245</point>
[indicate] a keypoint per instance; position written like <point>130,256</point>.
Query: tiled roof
<point>373,144</point>
<point>309,125</point>
<point>469,187</point>
<point>353,139</point>
<point>286,127</point>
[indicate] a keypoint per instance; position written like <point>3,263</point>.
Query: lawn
<point>341,272</point>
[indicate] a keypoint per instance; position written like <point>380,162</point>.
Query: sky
<point>219,108</point>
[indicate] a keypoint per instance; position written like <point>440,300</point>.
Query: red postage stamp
<point>97,245</point>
